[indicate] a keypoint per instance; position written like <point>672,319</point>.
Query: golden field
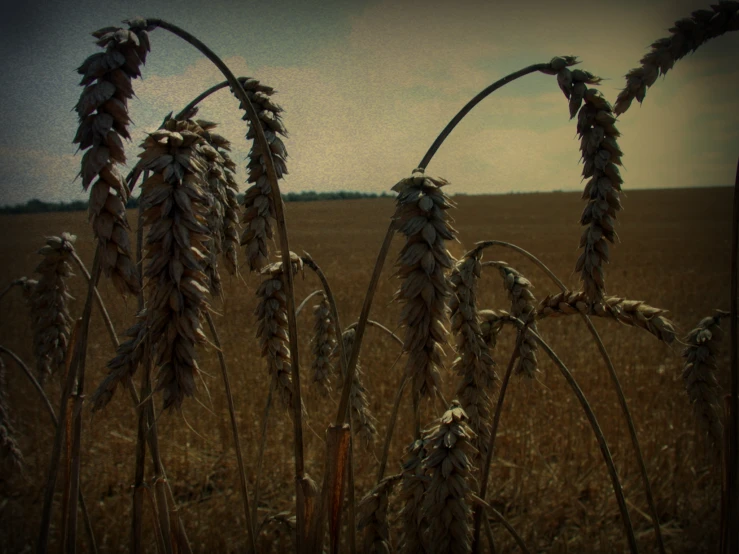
<point>547,478</point>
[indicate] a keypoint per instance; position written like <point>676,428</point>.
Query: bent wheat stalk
<point>614,379</point>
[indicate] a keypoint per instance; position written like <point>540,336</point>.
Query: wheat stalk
<point>700,378</point>
<point>629,312</point>
<point>259,209</point>
<point>362,419</point>
<point>447,503</point>
<point>48,300</point>
<point>104,120</point>
<point>324,342</point>
<point>686,36</point>
<point>421,216</point>
<point>175,212</point>
<point>474,364</point>
<point>372,511</point>
<point>413,488</point>
<point>491,323</point>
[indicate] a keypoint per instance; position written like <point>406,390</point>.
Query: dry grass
<point>547,478</point>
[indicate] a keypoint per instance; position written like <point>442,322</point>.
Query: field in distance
<point>547,478</point>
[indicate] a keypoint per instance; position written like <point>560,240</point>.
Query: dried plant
<point>421,216</point>
<point>700,378</point>
<point>474,364</point>
<point>259,209</point>
<point>175,212</point>
<point>125,363</point>
<point>412,492</point>
<point>48,305</point>
<point>523,307</point>
<point>372,517</point>
<point>491,322</point>
<point>324,342</point>
<point>447,504</point>
<point>363,420</point>
<point>629,312</point>
<point>104,120</point>
<point>272,331</point>
<point>686,36</point>
<point>601,157</point>
<point>9,447</point>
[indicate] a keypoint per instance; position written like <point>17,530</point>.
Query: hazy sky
<point>367,85</point>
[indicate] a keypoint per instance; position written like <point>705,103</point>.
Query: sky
<point>366,87</point>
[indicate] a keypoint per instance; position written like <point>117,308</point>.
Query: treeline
<point>39,206</point>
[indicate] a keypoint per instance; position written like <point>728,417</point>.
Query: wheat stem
<point>616,385</point>
<point>262,445</point>
<point>235,431</point>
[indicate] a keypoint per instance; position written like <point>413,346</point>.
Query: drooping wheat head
<point>372,517</point>
<point>412,492</point>
<point>104,120</point>
<point>523,307</point>
<point>474,365</point>
<point>48,300</point>
<point>447,504</point>
<point>125,363</point>
<point>259,210</point>
<point>629,312</point>
<point>601,157</point>
<point>363,420</point>
<point>175,212</point>
<point>421,215</point>
<point>491,322</point>
<point>700,378</point>
<point>324,342</point>
<point>272,330</point>
<point>9,448</point>
<point>686,36</point>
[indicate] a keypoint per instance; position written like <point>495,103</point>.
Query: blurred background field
<point>547,478</point>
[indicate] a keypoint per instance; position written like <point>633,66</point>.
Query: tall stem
<point>235,431</point>
<point>261,140</point>
<point>616,386</point>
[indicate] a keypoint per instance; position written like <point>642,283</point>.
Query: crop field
<point>547,477</point>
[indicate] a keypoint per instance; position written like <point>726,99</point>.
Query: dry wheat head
<point>362,418</point>
<point>412,492</point>
<point>324,342</point>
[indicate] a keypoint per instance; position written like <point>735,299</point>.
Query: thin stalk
<point>235,431</point>
<point>101,305</point>
<point>373,323</point>
<point>79,362</point>
<point>516,537</point>
<point>306,300</point>
<point>732,513</point>
<point>350,492</point>
<point>43,540</point>
<point>489,533</point>
<point>202,96</point>
<point>391,428</point>
<point>616,386</point>
<point>471,104</point>
<point>10,286</point>
<point>246,104</point>
<point>55,423</point>
<point>607,458</point>
<point>491,443</point>
<point>382,255</point>
<point>260,457</point>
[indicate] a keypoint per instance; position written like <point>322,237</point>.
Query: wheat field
<point>547,477</point>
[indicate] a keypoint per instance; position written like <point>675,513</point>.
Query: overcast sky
<point>367,85</point>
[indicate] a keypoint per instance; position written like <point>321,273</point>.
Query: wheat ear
<point>700,378</point>
<point>48,305</point>
<point>175,212</point>
<point>9,447</point>
<point>421,215</point>
<point>324,342</point>
<point>629,312</point>
<point>259,209</point>
<point>104,120</point>
<point>362,418</point>
<point>372,511</point>
<point>447,504</point>
<point>412,492</point>
<point>474,365</point>
<point>686,36</point>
